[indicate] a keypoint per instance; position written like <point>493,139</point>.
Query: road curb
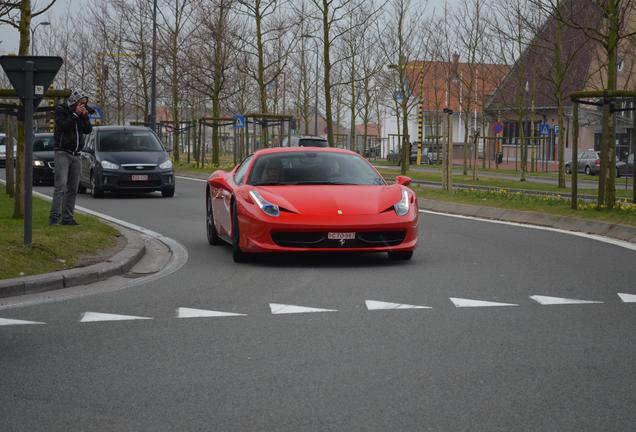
<point>615,231</point>
<point>118,264</point>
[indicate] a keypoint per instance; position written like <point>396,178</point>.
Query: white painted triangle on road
<point>627,298</point>
<point>462,302</point>
<point>8,322</point>
<point>278,308</point>
<point>378,305</point>
<point>184,312</point>
<point>96,316</point>
<point>546,300</point>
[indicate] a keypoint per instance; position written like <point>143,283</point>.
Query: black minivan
<point>125,158</point>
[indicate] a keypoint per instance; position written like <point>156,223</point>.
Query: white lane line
<point>462,302</point>
<point>615,242</point>
<point>10,322</point>
<point>545,300</point>
<point>379,305</point>
<point>192,179</point>
<point>183,312</point>
<point>627,298</point>
<point>278,309</point>
<point>97,316</point>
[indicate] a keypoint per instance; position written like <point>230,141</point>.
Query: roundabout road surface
<point>528,366</point>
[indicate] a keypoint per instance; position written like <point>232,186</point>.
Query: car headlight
<point>109,165</point>
<point>38,163</point>
<point>267,207</point>
<point>166,165</point>
<point>402,206</point>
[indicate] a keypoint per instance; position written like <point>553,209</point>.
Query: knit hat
<point>75,96</point>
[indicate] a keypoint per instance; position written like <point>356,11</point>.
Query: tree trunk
<point>327,70</point>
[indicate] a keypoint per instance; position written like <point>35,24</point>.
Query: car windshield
<point>313,168</point>
<point>128,141</point>
<point>43,143</point>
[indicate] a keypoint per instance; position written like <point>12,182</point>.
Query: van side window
<point>239,176</point>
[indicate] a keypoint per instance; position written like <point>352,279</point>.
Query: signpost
<point>29,76</point>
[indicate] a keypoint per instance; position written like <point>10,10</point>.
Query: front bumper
<point>142,181</point>
<point>44,174</point>
<point>383,232</point>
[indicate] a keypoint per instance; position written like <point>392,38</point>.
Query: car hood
<point>44,155</point>
<point>134,157</point>
<point>326,200</point>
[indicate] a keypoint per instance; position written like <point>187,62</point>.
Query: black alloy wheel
<point>95,192</point>
<point>213,236</point>
<point>237,254</point>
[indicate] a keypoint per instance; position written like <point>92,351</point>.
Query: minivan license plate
<point>341,235</point>
<point>139,178</point>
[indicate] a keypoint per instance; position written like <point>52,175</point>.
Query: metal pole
<point>575,151</point>
<point>152,120</point>
<point>28,151</point>
<point>316,101</point>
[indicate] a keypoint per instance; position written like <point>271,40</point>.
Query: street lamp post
<point>152,118</point>
<point>43,23</point>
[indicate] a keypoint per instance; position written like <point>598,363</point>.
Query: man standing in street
<point>71,123</point>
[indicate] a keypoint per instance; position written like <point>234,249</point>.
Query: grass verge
<point>54,247</point>
<point>624,214</point>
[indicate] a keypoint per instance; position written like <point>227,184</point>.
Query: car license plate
<point>341,235</point>
<point>139,177</point>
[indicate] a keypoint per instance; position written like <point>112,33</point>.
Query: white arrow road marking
<point>545,300</point>
<point>96,316</point>
<point>277,308</point>
<point>462,302</point>
<point>8,322</point>
<point>183,312</point>
<point>627,298</point>
<point>378,305</point>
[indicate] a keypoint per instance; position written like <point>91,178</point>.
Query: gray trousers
<point>67,172</point>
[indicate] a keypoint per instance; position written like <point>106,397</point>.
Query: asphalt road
<point>529,367</point>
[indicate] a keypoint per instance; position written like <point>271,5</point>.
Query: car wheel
<point>588,171</point>
<point>237,254</point>
<point>400,255</point>
<point>95,191</point>
<point>81,189</point>
<point>213,236</point>
<point>167,193</point>
<point>568,170</point>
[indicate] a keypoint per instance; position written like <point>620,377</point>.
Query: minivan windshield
<point>128,141</point>
<point>313,168</point>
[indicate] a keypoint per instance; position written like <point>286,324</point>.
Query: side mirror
<point>403,180</point>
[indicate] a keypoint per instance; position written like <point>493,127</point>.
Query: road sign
<point>544,129</point>
<point>239,122</point>
<point>556,129</point>
<point>44,71</point>
<point>97,115</point>
<point>497,127</point>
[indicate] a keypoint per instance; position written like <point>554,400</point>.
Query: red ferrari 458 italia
<point>297,199</point>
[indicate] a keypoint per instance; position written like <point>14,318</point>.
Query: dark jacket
<point>70,129</point>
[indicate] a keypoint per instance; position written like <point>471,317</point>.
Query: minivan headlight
<point>109,165</point>
<point>38,163</point>
<point>166,164</point>
<point>402,206</point>
<point>267,207</point>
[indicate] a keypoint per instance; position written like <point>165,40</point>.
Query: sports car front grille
<point>318,240</point>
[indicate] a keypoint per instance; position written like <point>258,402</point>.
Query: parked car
<point>626,169</point>
<point>310,200</point>
<point>43,158</point>
<point>589,162</point>
<point>125,158</point>
<point>305,141</point>
<point>3,149</point>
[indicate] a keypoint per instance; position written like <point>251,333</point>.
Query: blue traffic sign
<point>239,121</point>
<point>544,129</point>
<point>97,115</point>
<point>556,129</point>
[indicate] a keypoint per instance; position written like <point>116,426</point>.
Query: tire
<point>588,171</point>
<point>568,170</point>
<point>237,254</point>
<point>95,192</point>
<point>400,256</point>
<point>167,193</point>
<point>213,236</point>
<point>81,189</point>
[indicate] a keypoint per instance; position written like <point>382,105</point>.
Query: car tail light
<point>597,162</point>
